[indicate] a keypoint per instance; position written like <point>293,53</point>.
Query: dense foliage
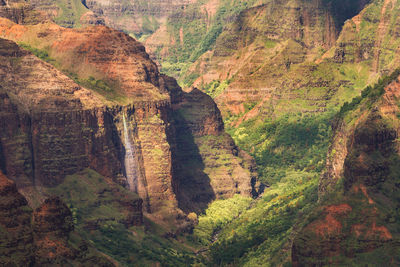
<point>370,93</point>
<point>196,32</point>
<point>297,142</point>
<point>97,208</point>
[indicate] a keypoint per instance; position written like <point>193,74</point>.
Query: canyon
<point>130,129</point>
<point>240,133</point>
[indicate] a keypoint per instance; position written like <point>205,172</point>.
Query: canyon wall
<point>356,220</point>
<point>41,237</point>
<point>62,128</point>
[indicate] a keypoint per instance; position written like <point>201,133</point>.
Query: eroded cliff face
<point>356,220</point>
<point>208,164</point>
<point>124,128</point>
<point>254,61</point>
<point>253,54</point>
<point>19,11</point>
<point>140,17</point>
<point>16,237</point>
<point>370,37</point>
<point>41,238</point>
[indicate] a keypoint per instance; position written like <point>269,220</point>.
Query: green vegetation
<point>258,233</point>
<point>105,88</point>
<point>97,204</point>
<point>40,53</point>
<point>98,85</point>
<point>217,216</point>
<point>215,88</point>
<point>370,93</point>
<point>70,13</point>
<point>196,32</point>
<point>290,143</point>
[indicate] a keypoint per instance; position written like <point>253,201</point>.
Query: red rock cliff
<point>126,130</point>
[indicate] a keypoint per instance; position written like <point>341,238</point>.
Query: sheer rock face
<point>41,238</point>
<point>140,17</point>
<point>16,236</point>
<point>18,11</point>
<point>207,163</point>
<point>135,16</point>
<point>52,223</point>
<point>355,220</point>
<point>61,128</point>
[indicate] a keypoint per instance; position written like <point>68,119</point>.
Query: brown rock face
<point>16,238</point>
<point>52,226</point>
<point>18,11</point>
<point>355,221</point>
<point>128,131</point>
<point>207,163</point>
<point>135,16</point>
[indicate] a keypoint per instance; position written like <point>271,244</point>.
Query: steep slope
<point>137,17</point>
<point>67,13</point>
<point>46,241</point>
<point>128,116</point>
<point>19,11</point>
<point>16,230</point>
<point>262,76</point>
<point>133,17</point>
<point>257,62</point>
<point>357,219</point>
<point>190,32</point>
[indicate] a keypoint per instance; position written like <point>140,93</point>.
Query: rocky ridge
<point>46,240</point>
<point>134,91</point>
<point>356,218</point>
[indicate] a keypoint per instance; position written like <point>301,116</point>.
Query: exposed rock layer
<point>43,240</point>
<point>63,128</point>
<point>356,221</point>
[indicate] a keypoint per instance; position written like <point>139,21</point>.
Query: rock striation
<point>62,128</point>
<point>41,238</point>
<point>358,193</point>
<point>16,236</point>
<point>136,16</point>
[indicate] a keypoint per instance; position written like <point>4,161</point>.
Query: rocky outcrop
<point>53,223</point>
<point>208,164</point>
<point>125,128</point>
<point>19,12</point>
<point>52,227</point>
<point>355,220</point>
<point>41,240</point>
<point>16,238</point>
<point>136,16</point>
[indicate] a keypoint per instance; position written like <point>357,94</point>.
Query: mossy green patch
<point>70,13</point>
<point>95,202</point>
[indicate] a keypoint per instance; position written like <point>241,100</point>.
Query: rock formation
<point>16,237</point>
<point>356,218</point>
<point>41,240</point>
<point>63,128</point>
